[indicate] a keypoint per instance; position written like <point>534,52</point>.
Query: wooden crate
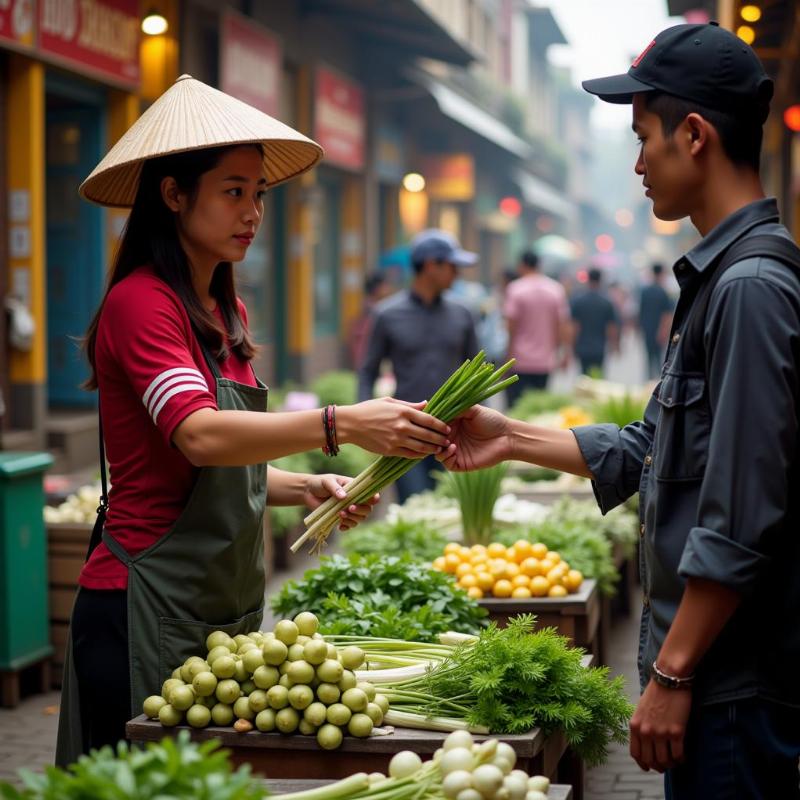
<point>576,616</point>
<point>290,757</point>
<point>67,543</point>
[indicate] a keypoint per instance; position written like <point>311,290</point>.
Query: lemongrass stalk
<point>341,789</point>
<point>404,719</point>
<point>454,638</point>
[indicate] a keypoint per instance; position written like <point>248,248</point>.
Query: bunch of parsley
<point>179,770</point>
<point>513,680</point>
<point>384,596</point>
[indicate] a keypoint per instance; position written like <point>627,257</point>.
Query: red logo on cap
<point>643,53</point>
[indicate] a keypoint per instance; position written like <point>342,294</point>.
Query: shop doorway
<point>75,246</point>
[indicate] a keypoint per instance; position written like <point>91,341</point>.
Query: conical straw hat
<point>189,116</point>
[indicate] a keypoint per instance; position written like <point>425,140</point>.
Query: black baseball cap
<point>706,64</point>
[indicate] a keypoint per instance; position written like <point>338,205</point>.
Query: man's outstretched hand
<point>480,437</point>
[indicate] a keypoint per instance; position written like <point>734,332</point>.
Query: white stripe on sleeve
<point>183,387</point>
<point>186,371</point>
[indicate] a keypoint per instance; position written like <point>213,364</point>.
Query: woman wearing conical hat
<point>179,552</point>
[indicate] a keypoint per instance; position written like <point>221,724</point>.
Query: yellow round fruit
<point>478,558</point>
<point>485,581</point>
<point>538,550</point>
<point>521,592</point>
<point>497,567</point>
<point>496,550</point>
<point>573,580</point>
<point>438,563</point>
<point>522,547</point>
<point>539,586</point>
<point>530,567</point>
<point>556,574</point>
<point>557,591</point>
<point>520,580</point>
<point>502,588</point>
<point>467,581</point>
<point>545,565</point>
<point>511,554</point>
<point>463,569</point>
<point>512,569</point>
<point>478,548</point>
<point>465,553</point>
<point>553,556</point>
<point>475,593</point>
<point>452,547</point>
<point>451,562</point>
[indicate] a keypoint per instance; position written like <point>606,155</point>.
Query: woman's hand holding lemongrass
<point>392,427</point>
<point>320,488</point>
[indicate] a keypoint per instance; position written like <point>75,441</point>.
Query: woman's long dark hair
<point>151,237</point>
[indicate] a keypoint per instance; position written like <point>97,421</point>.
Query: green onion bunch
<point>472,383</point>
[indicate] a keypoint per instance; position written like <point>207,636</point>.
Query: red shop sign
<point>102,36</point>
<point>339,119</point>
<point>18,22</point>
<point>250,63</point>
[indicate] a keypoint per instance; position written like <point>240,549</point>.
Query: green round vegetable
<point>274,651</point>
<point>329,737</point>
<point>355,699</point>
<point>222,714</point>
<point>224,667</point>
<point>352,657</point>
<point>204,684</point>
<point>265,720</point>
<point>169,716</point>
<point>198,716</point>
<point>152,705</point>
<point>181,698</point>
<point>315,652</point>
<point>316,714</point>
<point>287,631</point>
<point>307,623</point>
<point>300,696</point>
<point>258,700</point>
<point>360,725</point>
<point>228,691</point>
<point>278,697</point>
<point>287,720</point>
<point>266,677</point>
<point>338,714</point>
<point>330,671</point>
<point>328,693</point>
<point>242,710</point>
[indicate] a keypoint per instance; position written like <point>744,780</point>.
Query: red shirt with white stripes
<point>151,375</point>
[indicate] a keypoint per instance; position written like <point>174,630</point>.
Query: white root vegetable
<point>404,764</point>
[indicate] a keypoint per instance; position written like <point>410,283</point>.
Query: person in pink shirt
<point>537,315</point>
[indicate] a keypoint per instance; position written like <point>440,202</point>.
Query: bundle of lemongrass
<point>472,383</point>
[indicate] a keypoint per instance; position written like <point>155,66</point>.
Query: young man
<point>655,314</point>
<point>424,335</point>
<point>537,316</point>
<point>716,457</point>
<point>597,324</point>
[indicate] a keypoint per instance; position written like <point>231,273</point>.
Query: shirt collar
<point>437,301</point>
<point>733,227</point>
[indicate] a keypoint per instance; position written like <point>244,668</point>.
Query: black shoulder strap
<point>765,245</point>
<point>99,523</point>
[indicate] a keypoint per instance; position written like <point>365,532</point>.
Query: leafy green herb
<point>513,679</point>
<point>177,770</point>
<point>395,539</point>
<point>365,594</point>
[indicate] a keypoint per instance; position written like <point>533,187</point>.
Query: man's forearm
<point>548,447</point>
<point>704,611</point>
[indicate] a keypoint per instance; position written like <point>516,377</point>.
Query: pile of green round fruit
<point>287,680</point>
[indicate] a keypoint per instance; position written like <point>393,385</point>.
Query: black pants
<point>417,479</point>
<point>527,380</point>
<point>100,654</point>
<point>743,750</point>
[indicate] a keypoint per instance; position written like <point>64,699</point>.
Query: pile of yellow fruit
<point>523,570</point>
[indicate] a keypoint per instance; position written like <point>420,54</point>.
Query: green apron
<point>206,573</point>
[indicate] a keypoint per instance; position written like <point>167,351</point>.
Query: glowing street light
<point>154,23</point>
<point>746,34</point>
<point>413,182</point>
<point>750,13</point>
<point>624,217</point>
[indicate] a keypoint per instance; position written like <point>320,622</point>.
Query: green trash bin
<point>24,623</point>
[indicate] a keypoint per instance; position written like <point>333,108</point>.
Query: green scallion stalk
<point>473,382</point>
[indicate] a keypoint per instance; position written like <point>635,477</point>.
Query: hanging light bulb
<point>154,23</point>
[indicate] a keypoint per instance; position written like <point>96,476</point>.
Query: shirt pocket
<point>680,450</point>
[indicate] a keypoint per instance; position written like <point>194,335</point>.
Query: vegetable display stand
<point>295,756</point>
<point>67,543</point>
<point>576,616</point>
<point>557,791</point>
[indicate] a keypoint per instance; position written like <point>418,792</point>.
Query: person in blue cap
<point>716,459</point>
<point>424,335</point>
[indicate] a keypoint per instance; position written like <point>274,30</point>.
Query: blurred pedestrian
<point>376,288</point>
<point>655,315</point>
<point>538,320</point>
<point>597,324</point>
<point>424,335</point>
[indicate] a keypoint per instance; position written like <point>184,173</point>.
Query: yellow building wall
<point>25,128</point>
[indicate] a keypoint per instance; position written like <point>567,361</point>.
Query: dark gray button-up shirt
<point>425,342</point>
<point>715,462</point>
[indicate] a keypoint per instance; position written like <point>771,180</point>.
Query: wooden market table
<point>557,791</point>
<point>576,616</point>
<point>296,756</point>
